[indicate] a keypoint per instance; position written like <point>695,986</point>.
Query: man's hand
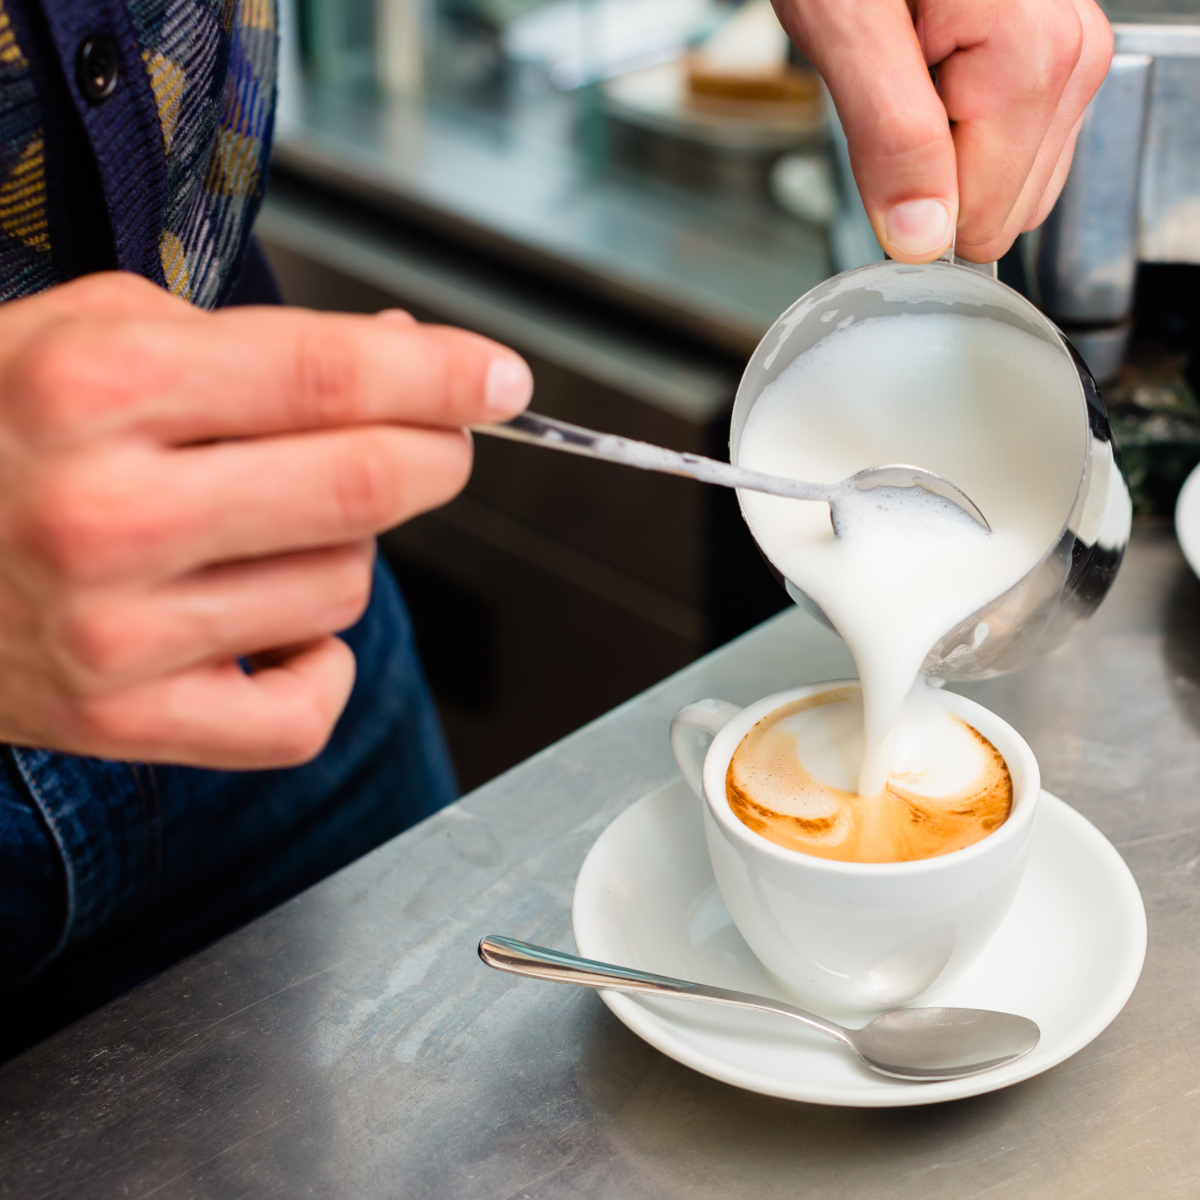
<point>182,489</point>
<point>988,149</point>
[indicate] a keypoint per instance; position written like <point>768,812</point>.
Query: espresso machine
<point>1133,192</point>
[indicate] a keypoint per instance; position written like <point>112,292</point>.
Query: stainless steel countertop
<point>350,1043</point>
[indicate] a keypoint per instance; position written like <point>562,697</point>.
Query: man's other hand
<point>988,147</point>
<point>181,490</point>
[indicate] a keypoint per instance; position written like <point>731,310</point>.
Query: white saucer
<point>1068,955</point>
<point>1187,519</point>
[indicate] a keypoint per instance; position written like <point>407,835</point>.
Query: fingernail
<point>918,227</point>
<point>509,388</point>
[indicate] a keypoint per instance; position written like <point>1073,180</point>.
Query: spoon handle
<point>574,439</point>
<point>521,958</point>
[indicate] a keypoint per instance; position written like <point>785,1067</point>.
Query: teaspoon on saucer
<point>921,1044</point>
<point>574,439</point>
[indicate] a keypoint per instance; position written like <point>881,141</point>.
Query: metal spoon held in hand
<point>920,1044</point>
<point>558,435</point>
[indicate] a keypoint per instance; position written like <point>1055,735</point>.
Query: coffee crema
<point>792,780</point>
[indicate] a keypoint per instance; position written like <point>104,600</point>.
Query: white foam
<point>968,398</point>
<point>829,742</point>
<point>932,753</point>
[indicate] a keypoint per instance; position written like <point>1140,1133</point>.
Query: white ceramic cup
<point>845,935</point>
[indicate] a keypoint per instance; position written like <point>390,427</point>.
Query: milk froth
<point>969,398</point>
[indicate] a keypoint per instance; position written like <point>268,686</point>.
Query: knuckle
<point>454,374</point>
<point>68,381</point>
<point>903,135</point>
<point>1061,46</point>
<point>94,644</point>
<point>366,486</point>
<point>397,316</point>
<point>105,726</point>
<point>84,522</point>
<point>106,287</point>
<point>306,732</point>
<point>327,378</point>
<point>352,592</point>
<point>65,531</point>
<point>51,380</point>
<point>465,358</point>
<point>451,374</point>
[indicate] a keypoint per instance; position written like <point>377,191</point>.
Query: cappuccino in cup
<point>919,876</point>
<point>792,780</point>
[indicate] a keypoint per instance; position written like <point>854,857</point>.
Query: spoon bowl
<point>943,1043</point>
<point>916,1044</point>
<point>898,476</point>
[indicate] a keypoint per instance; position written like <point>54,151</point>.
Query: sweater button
<point>97,67</point>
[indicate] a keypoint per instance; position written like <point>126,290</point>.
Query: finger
<point>1049,171</point>
<point>1057,181</point>
<point>899,138</point>
<point>1054,159</point>
<point>254,371</point>
<point>110,640</point>
<point>220,717</point>
<point>143,514</point>
<point>1004,93</point>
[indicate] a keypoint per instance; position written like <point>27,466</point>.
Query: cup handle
<point>692,730</point>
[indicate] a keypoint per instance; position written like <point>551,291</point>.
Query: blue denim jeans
<point>110,871</point>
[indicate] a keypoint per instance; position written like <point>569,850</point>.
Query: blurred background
<point>629,192</point>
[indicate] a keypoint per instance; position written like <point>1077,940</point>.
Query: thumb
<point>901,148</point>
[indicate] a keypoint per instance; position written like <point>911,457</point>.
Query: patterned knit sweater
<point>178,151</point>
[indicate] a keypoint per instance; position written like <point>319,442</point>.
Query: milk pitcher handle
<point>991,270</point>
<point>692,731</point>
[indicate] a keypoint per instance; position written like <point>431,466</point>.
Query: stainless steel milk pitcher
<point>1077,569</point>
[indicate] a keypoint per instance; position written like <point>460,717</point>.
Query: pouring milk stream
<point>964,397</point>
